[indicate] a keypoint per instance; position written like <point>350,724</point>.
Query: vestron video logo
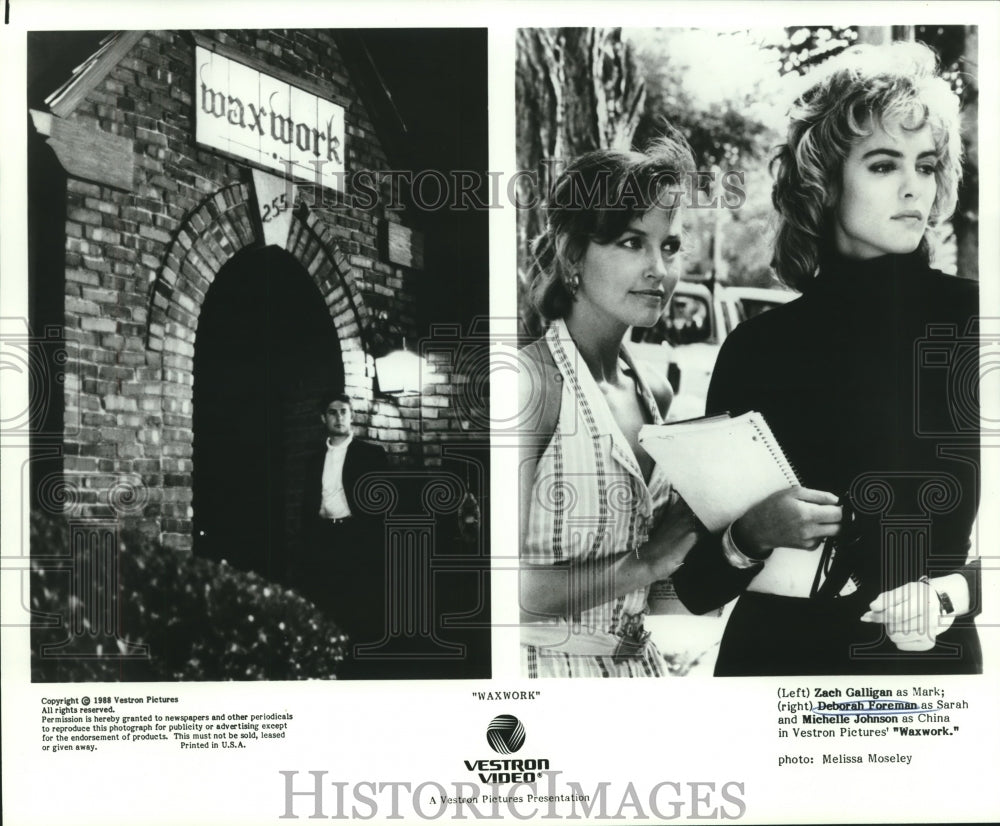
<point>505,734</point>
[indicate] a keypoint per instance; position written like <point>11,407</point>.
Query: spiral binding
<point>775,448</point>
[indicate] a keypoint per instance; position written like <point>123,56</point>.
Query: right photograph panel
<point>750,366</point>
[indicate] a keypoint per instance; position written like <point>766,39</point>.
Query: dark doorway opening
<point>266,352</point>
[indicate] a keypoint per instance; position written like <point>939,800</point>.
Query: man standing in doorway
<point>344,566</point>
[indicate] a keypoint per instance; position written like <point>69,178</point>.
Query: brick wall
<point>139,262</point>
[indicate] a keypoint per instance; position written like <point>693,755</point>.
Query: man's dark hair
<point>330,398</point>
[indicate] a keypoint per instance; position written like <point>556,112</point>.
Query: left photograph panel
<point>258,348</point>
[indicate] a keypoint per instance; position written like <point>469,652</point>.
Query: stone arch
<point>219,228</point>
<point>209,236</point>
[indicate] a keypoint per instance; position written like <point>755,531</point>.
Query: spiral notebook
<point>720,465</point>
<point>724,466</point>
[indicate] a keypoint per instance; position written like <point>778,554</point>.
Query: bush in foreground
<point>179,617</point>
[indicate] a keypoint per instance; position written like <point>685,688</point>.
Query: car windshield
<point>689,320</point>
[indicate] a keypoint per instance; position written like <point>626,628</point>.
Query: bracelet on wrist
<point>737,557</point>
<point>945,605</point>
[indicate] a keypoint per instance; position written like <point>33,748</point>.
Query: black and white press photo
<point>421,411</point>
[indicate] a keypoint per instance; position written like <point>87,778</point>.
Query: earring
<point>572,282</point>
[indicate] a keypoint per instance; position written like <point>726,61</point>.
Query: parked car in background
<point>685,342</point>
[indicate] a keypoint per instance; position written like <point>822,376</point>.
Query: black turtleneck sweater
<point>870,383</point>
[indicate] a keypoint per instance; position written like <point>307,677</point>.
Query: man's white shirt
<point>333,503</point>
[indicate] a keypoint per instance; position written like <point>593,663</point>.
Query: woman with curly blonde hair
<point>858,381</point>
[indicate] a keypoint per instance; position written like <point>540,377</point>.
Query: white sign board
<point>255,116</point>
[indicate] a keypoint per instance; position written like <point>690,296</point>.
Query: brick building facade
<point>151,261</point>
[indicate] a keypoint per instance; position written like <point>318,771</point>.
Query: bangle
<point>944,601</point>
<point>734,555</point>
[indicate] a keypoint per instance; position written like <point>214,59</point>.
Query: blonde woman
<point>871,162</point>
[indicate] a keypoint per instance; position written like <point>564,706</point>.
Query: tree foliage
<point>720,132</point>
<point>805,47</point>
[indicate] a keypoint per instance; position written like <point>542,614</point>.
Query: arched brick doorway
<point>266,351</point>
<point>220,229</point>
